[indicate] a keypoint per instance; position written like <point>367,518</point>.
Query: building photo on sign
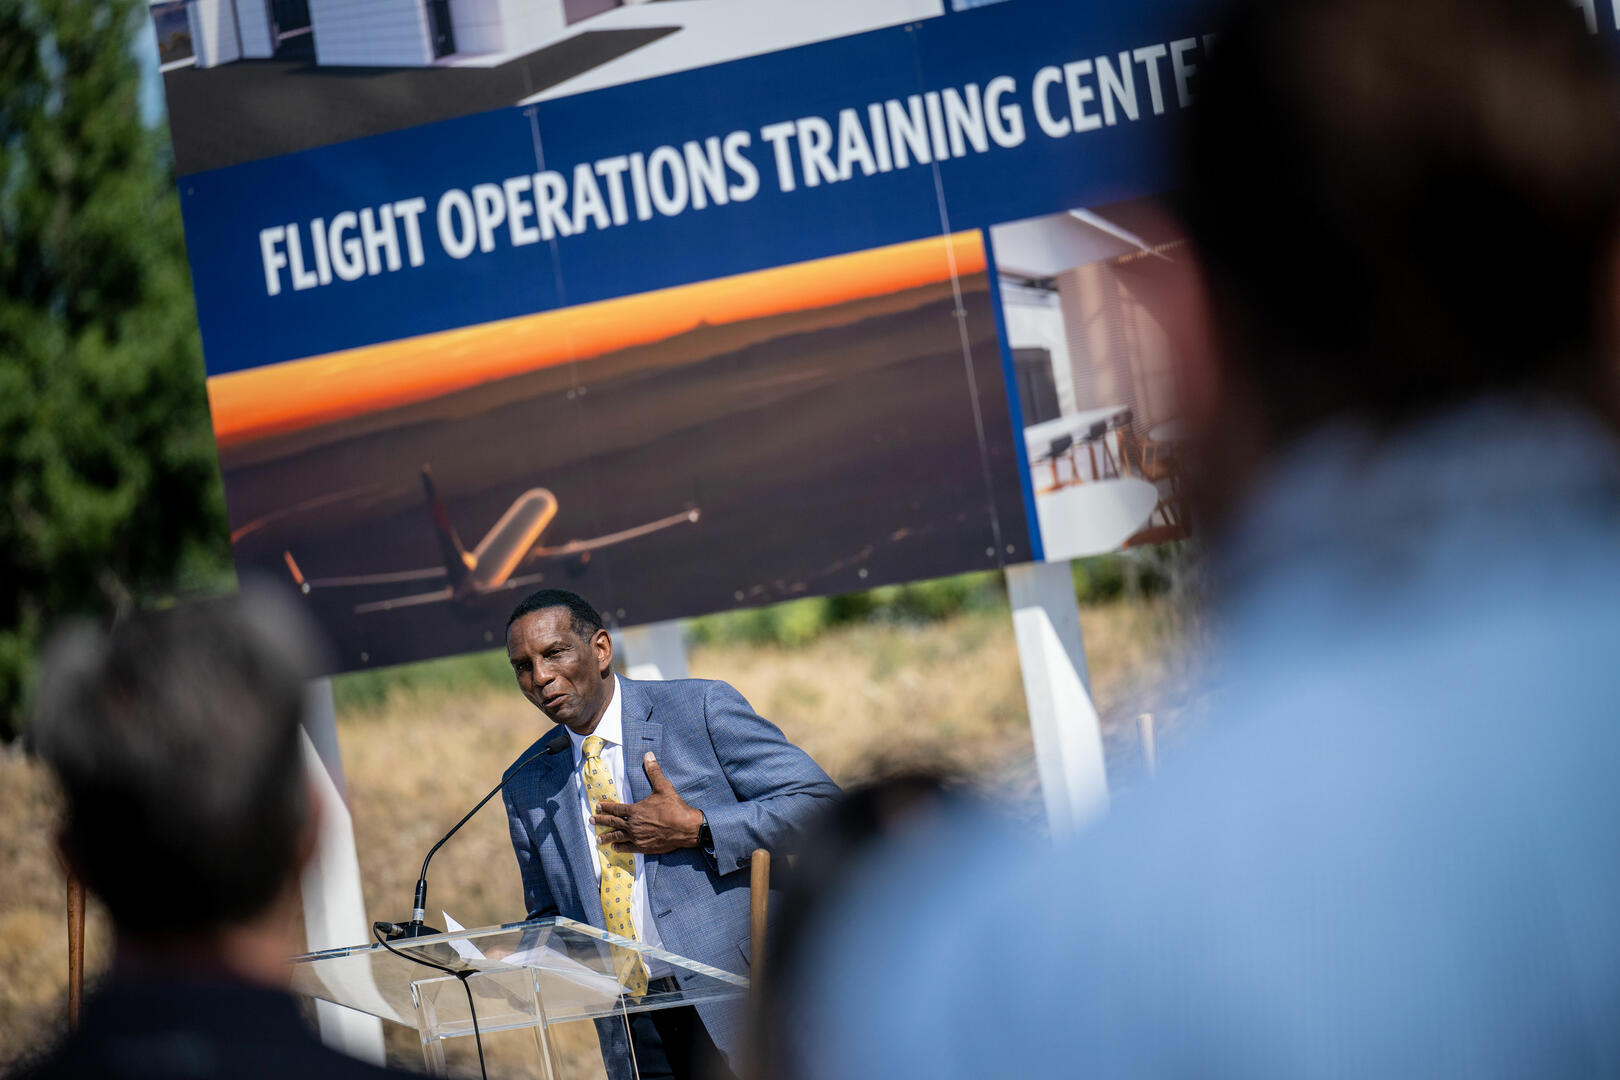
<point>253,78</point>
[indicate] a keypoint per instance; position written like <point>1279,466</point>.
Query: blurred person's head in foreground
<point>1391,850</point>
<point>175,737</point>
<point>1399,208</point>
<point>880,823</point>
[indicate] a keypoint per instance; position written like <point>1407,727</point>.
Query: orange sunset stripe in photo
<point>299,394</point>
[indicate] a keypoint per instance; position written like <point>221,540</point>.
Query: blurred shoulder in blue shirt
<point>1391,850</point>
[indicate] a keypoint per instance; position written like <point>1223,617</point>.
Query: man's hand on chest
<point>660,823</point>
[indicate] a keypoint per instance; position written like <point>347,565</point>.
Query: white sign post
<point>653,651</point>
<point>334,906</point>
<point>1057,686</point>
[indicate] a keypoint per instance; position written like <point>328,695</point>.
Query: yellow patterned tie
<point>618,872</point>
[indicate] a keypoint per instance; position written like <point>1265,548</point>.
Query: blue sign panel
<point>990,115</point>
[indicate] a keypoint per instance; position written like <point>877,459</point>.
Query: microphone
<point>416,927</point>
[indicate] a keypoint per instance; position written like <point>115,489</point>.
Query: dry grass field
<point>861,699</point>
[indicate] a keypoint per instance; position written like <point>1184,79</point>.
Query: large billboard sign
<point>686,305</point>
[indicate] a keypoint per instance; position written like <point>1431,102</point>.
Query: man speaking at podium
<point>645,824</point>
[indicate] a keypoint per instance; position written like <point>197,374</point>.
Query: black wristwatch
<point>705,835</point>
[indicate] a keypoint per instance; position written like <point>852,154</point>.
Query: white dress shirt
<point>611,730</point>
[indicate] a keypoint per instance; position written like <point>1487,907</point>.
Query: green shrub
<point>797,622</point>
<point>1098,580</point>
<point>792,623</point>
<point>1102,579</point>
<point>359,690</point>
<point>927,601</point>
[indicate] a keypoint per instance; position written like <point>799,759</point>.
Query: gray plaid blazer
<point>757,789</point>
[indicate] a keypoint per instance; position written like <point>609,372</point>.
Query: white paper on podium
<point>568,985</point>
<point>568,982</point>
<point>464,949</point>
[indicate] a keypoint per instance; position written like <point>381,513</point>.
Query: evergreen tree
<point>109,488</point>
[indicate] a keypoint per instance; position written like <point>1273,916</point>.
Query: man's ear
<point>602,641</point>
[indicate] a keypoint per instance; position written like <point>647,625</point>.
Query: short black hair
<point>175,738</point>
<point>1404,204</point>
<point>586,620</point>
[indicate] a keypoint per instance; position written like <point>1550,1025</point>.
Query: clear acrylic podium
<point>544,975</point>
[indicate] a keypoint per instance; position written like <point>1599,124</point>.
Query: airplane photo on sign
<point>488,568</point>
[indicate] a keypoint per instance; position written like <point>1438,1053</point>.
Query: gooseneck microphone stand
<point>386,932</point>
<point>417,927</point>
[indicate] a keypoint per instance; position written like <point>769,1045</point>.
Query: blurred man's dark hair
<point>881,816</point>
<point>175,738</point>
<point>1400,206</point>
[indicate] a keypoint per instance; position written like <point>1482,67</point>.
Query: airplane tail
<point>458,561</point>
<point>297,574</point>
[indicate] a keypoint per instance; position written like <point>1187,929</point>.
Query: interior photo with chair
<point>1087,316</point>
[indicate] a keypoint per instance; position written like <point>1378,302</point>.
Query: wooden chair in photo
<point>1061,447</point>
<point>1121,424</point>
<point>1097,438</point>
<point>1161,462</point>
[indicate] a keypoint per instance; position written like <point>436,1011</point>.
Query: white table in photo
<point>1090,519</point>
